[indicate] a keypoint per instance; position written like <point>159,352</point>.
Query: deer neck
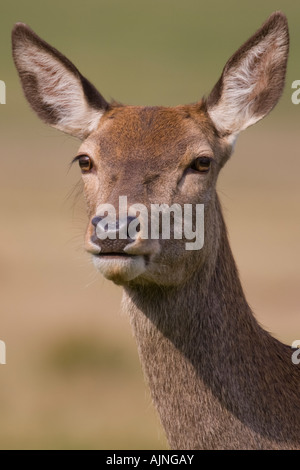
<point>217,378</point>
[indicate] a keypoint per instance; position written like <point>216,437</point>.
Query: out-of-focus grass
<point>72,355</point>
<point>72,378</point>
<point>159,52</point>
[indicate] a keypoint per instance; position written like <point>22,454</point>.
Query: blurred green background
<point>72,378</point>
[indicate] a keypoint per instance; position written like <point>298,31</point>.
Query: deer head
<point>153,155</point>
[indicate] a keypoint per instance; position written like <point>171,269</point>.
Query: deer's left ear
<point>252,80</point>
<point>55,89</point>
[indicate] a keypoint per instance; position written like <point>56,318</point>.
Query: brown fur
<point>218,380</point>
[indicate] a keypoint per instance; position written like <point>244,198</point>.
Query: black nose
<point>117,229</point>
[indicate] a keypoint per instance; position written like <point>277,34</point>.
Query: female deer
<point>218,380</point>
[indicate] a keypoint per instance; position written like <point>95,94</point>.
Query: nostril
<point>96,220</point>
<point>133,227</point>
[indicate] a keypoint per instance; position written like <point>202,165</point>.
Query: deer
<point>217,378</point>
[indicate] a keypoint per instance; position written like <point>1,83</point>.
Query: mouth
<point>115,255</point>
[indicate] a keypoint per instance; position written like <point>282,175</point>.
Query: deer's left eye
<point>85,163</point>
<point>201,164</point>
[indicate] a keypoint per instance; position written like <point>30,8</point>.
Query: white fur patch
<point>120,270</point>
<point>60,89</point>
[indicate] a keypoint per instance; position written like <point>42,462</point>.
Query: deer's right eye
<point>85,163</point>
<point>201,164</point>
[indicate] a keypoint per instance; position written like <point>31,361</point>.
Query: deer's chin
<point>120,269</point>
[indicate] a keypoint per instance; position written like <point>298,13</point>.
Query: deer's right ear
<point>252,80</point>
<point>54,87</point>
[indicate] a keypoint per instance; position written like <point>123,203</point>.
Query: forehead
<point>152,132</point>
